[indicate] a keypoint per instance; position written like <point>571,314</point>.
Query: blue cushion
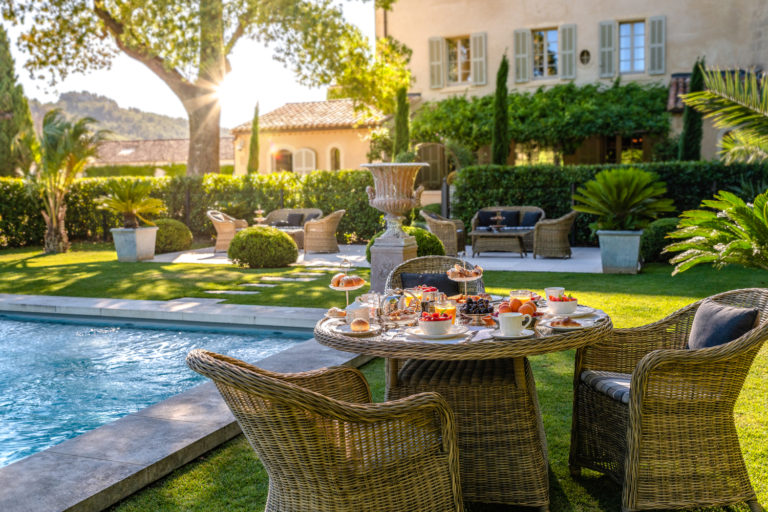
<point>611,384</point>
<point>511,218</point>
<point>439,281</point>
<point>715,324</point>
<point>530,218</point>
<point>485,218</point>
<point>295,219</point>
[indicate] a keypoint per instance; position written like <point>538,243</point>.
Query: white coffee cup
<point>512,324</point>
<point>554,291</point>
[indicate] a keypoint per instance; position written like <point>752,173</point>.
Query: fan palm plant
<point>130,198</point>
<point>63,151</point>
<point>739,104</point>
<point>731,231</point>
<point>623,199</point>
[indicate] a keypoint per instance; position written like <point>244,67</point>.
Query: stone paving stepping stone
<point>308,274</point>
<point>197,299</point>
<point>329,269</point>
<point>231,292</point>
<point>259,285</point>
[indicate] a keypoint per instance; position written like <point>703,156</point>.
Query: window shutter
<point>657,42</point>
<point>568,51</point>
<point>522,55</point>
<point>436,62</point>
<point>298,161</point>
<point>607,49</point>
<point>477,49</point>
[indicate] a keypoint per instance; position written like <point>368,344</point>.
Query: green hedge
<point>550,187</point>
<point>187,198</point>
<point>103,171</point>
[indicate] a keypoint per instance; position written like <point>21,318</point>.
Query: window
<point>335,159</point>
<point>304,161</point>
<point>282,161</point>
<point>459,60</point>
<point>545,57</point>
<point>632,47</point>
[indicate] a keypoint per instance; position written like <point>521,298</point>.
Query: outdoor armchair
<point>432,265</point>
<point>320,234</point>
<point>226,228</point>
<point>450,231</point>
<point>657,417</point>
<point>326,447</point>
<point>550,237</point>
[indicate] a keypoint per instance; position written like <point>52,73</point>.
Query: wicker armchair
<point>431,265</point>
<point>320,234</point>
<point>527,239</point>
<point>226,228</point>
<point>325,446</point>
<point>450,231</point>
<point>550,237</point>
<point>674,444</point>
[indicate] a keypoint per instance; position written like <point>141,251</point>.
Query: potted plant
<point>130,198</point>
<point>624,201</point>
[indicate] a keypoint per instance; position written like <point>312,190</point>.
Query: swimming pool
<point>58,380</point>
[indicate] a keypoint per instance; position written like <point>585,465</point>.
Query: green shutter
<point>436,62</point>
<point>477,49</point>
<point>607,51</point>
<point>522,55</point>
<point>568,51</point>
<point>657,42</point>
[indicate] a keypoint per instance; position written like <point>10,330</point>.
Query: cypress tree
<point>690,139</point>
<point>401,139</point>
<point>253,149</point>
<point>14,109</point>
<point>500,136</point>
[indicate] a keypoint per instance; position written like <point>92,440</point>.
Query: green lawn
<point>231,478</point>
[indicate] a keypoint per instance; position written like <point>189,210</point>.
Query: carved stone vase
<point>394,195</point>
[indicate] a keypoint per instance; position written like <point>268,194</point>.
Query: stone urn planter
<point>135,244</point>
<point>620,251</point>
<point>394,195</point>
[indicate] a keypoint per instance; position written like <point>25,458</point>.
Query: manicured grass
<point>230,478</point>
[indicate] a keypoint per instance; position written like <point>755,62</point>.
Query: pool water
<point>58,380</point>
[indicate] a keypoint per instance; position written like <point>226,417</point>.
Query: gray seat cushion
<point>295,219</point>
<point>611,384</point>
<point>715,324</point>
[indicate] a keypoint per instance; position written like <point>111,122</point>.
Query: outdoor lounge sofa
<point>326,446</point>
<point>292,221</point>
<point>515,216</point>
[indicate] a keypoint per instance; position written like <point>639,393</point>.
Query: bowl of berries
<point>563,305</point>
<point>435,324</point>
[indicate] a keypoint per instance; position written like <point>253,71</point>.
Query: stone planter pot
<point>135,244</point>
<point>620,251</point>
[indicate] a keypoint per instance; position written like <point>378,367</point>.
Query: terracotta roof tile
<point>128,152</point>
<point>310,115</point>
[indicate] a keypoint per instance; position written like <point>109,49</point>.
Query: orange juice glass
<point>449,308</point>
<point>521,295</point>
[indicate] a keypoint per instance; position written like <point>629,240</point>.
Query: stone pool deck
<point>99,468</point>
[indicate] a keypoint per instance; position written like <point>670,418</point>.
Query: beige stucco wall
<point>353,144</point>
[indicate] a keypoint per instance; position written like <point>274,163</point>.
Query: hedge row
<point>100,171</point>
<point>550,187</point>
<point>187,198</point>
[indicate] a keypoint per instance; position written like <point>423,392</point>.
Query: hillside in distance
<point>124,123</point>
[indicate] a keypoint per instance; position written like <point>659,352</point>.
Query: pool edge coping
<point>107,464</point>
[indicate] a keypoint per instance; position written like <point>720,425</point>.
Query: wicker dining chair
<point>431,265</point>
<point>326,447</point>
<point>450,231</point>
<point>320,234</point>
<point>226,228</point>
<point>670,438</point>
<point>550,237</point>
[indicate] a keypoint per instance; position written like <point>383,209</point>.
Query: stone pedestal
<point>385,257</point>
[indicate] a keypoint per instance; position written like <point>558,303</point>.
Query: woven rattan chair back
<point>327,448</point>
<point>320,234</point>
<point>431,265</point>
<point>450,231</point>
<point>226,226</point>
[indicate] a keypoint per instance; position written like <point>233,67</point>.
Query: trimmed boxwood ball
<point>263,247</point>
<point>653,242</point>
<point>427,243</point>
<point>172,236</point>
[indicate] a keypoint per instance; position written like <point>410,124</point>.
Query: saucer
<point>343,328</point>
<point>455,330</point>
<point>525,333</point>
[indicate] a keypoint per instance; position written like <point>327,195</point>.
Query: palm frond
<point>744,146</point>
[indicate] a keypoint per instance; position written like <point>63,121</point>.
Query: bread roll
<point>351,281</point>
<point>336,280</point>
<point>359,325</point>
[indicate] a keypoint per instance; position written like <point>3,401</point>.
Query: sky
<point>255,77</point>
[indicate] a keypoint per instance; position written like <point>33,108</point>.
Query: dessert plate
<point>582,324</point>
<point>525,333</point>
<point>455,330</point>
<point>343,328</point>
<point>580,311</point>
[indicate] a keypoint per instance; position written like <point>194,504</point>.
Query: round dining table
<point>490,386</point>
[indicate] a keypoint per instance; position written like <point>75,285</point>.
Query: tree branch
<point>175,80</point>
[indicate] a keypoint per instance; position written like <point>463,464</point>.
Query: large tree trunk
<point>204,112</point>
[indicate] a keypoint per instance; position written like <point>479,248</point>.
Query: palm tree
<point>130,198</point>
<point>739,104</point>
<point>63,151</point>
